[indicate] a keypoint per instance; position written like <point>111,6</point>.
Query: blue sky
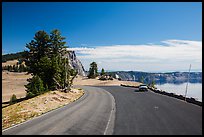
<point>114,24</point>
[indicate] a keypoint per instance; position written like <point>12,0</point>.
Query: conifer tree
<point>34,87</point>
<point>93,70</point>
<point>102,71</point>
<point>46,58</point>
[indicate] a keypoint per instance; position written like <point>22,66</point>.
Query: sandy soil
<point>13,83</point>
<point>79,80</point>
<point>36,106</point>
<point>10,62</point>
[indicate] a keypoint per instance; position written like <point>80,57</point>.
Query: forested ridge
<point>13,56</point>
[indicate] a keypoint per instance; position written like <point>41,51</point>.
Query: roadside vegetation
<point>50,84</point>
<point>46,61</point>
<point>93,70</point>
<point>105,76</point>
<point>30,108</point>
<point>15,68</point>
<point>93,73</point>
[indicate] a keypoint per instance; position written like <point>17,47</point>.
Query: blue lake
<point>194,89</point>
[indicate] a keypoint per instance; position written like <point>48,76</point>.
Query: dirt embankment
<point>27,109</point>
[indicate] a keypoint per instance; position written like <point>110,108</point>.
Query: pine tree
<point>38,48</point>
<point>153,83</point>
<point>142,79</point>
<point>57,44</point>
<point>102,72</point>
<point>45,58</point>
<point>15,68</point>
<point>21,68</point>
<point>93,70</point>
<point>34,87</point>
<point>10,68</point>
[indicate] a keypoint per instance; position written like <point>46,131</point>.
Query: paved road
<point>92,114</point>
<point>138,113</point>
<point>148,113</point>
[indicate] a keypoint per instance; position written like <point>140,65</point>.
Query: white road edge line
<point>111,120</point>
<point>85,93</point>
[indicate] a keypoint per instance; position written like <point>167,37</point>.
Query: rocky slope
<point>75,63</point>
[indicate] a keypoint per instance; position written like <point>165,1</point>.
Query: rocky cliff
<point>75,63</point>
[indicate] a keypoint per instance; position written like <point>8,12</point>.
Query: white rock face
<point>116,76</point>
<point>75,63</point>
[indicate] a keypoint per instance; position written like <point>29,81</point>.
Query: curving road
<point>148,113</point>
<point>92,114</point>
<point>119,111</point>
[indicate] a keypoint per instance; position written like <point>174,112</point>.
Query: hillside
<point>12,56</point>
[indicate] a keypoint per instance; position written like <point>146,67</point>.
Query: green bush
<point>29,95</point>
<point>102,78</point>
<point>34,87</point>
<point>110,78</point>
<point>13,99</point>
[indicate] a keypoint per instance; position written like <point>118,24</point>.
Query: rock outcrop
<point>75,63</point>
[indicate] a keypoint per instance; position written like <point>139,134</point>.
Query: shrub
<point>102,78</point>
<point>34,87</point>
<point>13,99</point>
<point>110,78</point>
<point>29,95</point>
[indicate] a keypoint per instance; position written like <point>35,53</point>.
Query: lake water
<point>194,89</point>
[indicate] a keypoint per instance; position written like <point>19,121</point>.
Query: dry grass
<point>10,62</point>
<point>22,111</point>
<point>13,83</point>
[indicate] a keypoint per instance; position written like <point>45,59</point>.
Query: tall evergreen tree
<point>57,44</point>
<point>46,58</point>
<point>142,79</point>
<point>10,68</point>
<point>93,70</point>
<point>34,87</point>
<point>102,71</point>
<point>38,48</point>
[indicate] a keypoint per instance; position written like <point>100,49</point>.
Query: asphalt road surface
<point>148,113</point>
<point>119,111</point>
<point>92,114</point>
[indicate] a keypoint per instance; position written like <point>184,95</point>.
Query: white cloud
<point>172,55</point>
